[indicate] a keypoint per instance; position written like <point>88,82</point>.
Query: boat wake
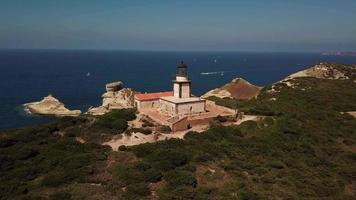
<point>221,73</point>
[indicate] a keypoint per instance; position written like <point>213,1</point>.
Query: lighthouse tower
<point>182,85</point>
<point>182,102</point>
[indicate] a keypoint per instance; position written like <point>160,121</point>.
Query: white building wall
<point>167,107</point>
<point>191,108</point>
<point>152,104</point>
<point>176,89</point>
<point>185,90</point>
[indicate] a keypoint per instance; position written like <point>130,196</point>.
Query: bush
<point>60,196</point>
<point>119,124</point>
<point>165,129</point>
<point>67,121</point>
<point>127,114</point>
<point>147,123</point>
<point>168,159</point>
<point>138,130</point>
<point>220,119</point>
<point>128,175</point>
<point>152,175</point>
<point>122,148</point>
<point>178,178</point>
<point>247,195</point>
<point>138,190</point>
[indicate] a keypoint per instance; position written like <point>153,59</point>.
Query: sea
<point>78,77</point>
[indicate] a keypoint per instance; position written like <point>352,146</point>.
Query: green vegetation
<point>38,157</point>
<point>220,119</point>
<point>165,129</point>
<point>138,130</point>
<point>97,129</point>
<point>304,149</point>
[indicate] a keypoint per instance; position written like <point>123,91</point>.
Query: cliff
<point>50,106</point>
<point>115,97</point>
<point>237,88</point>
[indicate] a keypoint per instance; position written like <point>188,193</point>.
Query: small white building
<point>180,102</point>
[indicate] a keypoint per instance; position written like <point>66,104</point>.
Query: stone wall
<point>180,125</point>
<point>151,104</point>
<point>167,107</point>
<point>191,108</point>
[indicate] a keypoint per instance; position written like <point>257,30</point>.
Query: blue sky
<point>254,25</point>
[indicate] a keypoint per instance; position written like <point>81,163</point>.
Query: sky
<point>187,25</point>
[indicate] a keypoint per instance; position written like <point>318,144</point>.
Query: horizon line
<point>176,50</point>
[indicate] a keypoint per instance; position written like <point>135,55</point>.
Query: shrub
<point>220,119</point>
<point>122,148</point>
<point>138,130</point>
<point>67,121</point>
<point>138,190</point>
<point>127,114</point>
<point>147,123</point>
<point>165,159</point>
<point>178,178</point>
<point>128,175</point>
<point>247,195</point>
<point>55,179</point>
<point>152,175</point>
<point>165,129</point>
<point>60,196</point>
<point>73,132</point>
<point>119,124</point>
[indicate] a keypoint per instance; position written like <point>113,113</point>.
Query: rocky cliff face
<point>50,106</point>
<point>237,88</point>
<point>115,97</point>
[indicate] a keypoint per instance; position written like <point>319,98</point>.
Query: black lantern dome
<point>182,70</point>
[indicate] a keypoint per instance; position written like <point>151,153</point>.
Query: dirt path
<point>139,138</point>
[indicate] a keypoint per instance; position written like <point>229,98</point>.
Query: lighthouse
<point>182,84</point>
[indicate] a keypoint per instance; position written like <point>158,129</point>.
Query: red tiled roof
<point>152,96</point>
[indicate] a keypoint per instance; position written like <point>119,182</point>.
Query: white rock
<point>50,106</point>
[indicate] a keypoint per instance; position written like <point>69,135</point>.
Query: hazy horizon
<point>254,26</point>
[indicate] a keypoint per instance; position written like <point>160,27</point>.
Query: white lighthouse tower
<point>182,85</point>
<point>182,102</point>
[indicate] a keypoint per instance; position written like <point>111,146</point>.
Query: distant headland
<point>339,53</point>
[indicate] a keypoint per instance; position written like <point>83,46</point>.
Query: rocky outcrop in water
<point>115,97</point>
<point>50,106</point>
<point>237,88</point>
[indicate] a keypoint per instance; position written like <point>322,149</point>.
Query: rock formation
<point>50,106</point>
<point>237,88</point>
<point>115,97</point>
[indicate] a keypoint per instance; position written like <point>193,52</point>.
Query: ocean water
<point>29,75</point>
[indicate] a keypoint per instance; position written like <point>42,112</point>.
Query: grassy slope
<point>304,150</point>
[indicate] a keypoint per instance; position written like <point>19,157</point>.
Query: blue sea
<point>78,77</point>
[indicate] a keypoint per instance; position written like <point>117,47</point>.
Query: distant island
<point>299,144</point>
<point>339,53</point>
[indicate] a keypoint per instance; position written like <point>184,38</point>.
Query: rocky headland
<point>237,88</point>
<point>50,106</point>
<point>322,71</point>
<point>329,71</point>
<point>115,97</point>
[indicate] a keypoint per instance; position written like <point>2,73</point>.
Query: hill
<point>237,88</point>
<point>303,149</point>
